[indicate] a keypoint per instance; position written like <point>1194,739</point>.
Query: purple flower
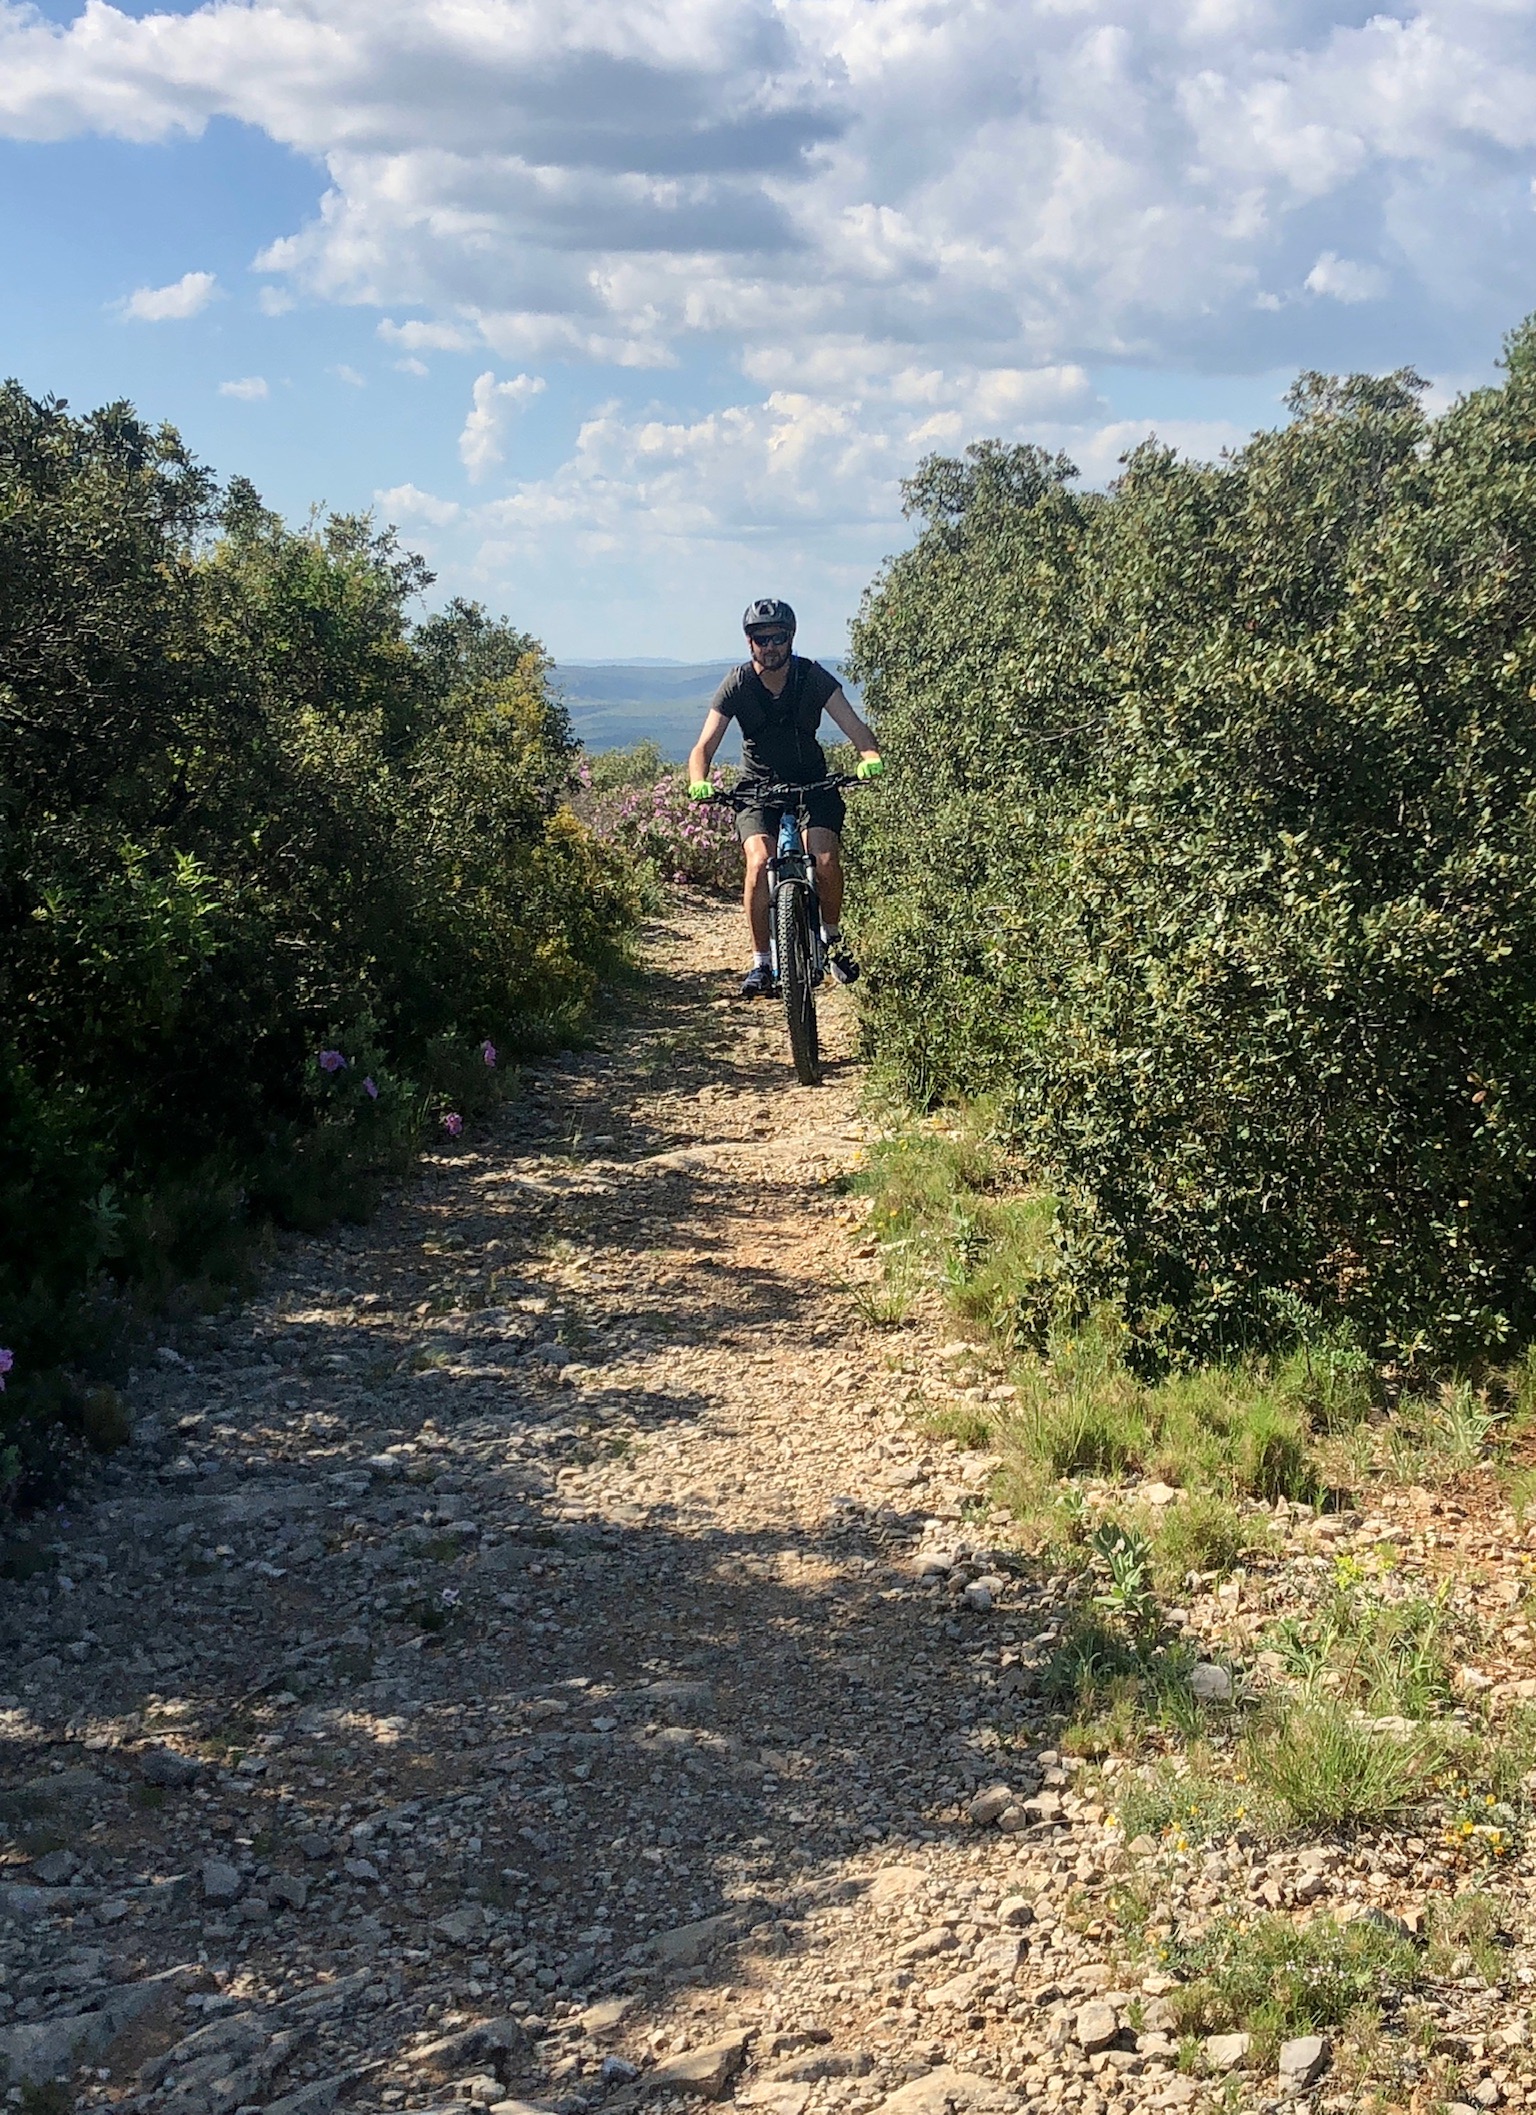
<point>453,1123</point>
<point>488,1051</point>
<point>332,1061</point>
<point>7,1361</point>
<point>370,1089</point>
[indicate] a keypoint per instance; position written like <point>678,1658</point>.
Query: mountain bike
<point>797,952</point>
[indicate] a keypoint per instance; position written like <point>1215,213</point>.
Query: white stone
<point>1303,2061</point>
<point>989,1803</point>
<point>1224,2052</point>
<point>1096,2025</point>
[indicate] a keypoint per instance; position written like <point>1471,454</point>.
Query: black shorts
<point>826,810</point>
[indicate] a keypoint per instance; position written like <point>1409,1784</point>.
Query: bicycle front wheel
<point>793,933</point>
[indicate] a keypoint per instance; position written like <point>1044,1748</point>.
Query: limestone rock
<point>33,2051</point>
<point>943,2090</point>
<point>704,2073</point>
<point>1096,2026</point>
<point>222,1882</point>
<point>490,2045</point>
<point>1224,2052</point>
<point>987,1805</point>
<point>168,1767</point>
<point>55,1867</point>
<point>606,2017</point>
<point>1303,2062</point>
<point>825,2063</point>
<point>690,1943</point>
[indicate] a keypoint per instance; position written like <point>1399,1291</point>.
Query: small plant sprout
<point>1127,1556</point>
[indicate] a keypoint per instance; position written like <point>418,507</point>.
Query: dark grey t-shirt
<point>778,734</point>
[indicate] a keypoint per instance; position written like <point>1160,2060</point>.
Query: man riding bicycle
<point>777,699</point>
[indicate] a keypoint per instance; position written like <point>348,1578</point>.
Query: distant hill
<point>616,703</point>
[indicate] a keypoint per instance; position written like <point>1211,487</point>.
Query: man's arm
<point>702,754</point>
<point>844,716</point>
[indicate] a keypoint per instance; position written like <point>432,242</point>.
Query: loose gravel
<point>533,1655</point>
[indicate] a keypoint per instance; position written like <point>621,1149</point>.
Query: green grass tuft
<point>1325,1769</point>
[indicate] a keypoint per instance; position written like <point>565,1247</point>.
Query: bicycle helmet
<point>768,613</point>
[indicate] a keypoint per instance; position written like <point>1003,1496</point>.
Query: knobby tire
<point>793,934</point>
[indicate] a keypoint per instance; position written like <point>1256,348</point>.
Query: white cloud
<point>250,389</point>
<point>1014,183</point>
<point>902,224</point>
<point>790,464</point>
<point>275,301</point>
<point>408,503</point>
<point>349,375</point>
<point>412,366</point>
<point>1338,278</point>
<point>187,296</point>
<point>480,442</point>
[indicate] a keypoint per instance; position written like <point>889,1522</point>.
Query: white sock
<point>760,958</point>
<point>830,935</point>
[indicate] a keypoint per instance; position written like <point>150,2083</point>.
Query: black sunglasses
<point>768,638</point>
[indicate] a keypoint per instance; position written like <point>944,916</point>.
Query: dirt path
<point>501,1658</point>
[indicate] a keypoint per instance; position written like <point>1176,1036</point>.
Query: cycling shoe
<point>757,983</point>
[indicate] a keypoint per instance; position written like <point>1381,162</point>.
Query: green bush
<point>1277,1980</point>
<point>248,815</point>
<point>1207,851</point>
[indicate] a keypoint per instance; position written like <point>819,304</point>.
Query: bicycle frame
<point>792,866</point>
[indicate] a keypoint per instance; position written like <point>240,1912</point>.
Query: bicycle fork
<point>793,867</point>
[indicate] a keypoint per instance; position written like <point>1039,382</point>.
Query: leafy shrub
<point>657,826</point>
<point>1276,1980</point>
<point>613,770</point>
<point>1206,853</point>
<point>248,815</point>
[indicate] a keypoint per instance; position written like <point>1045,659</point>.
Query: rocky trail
<point>537,1655</point>
<point>497,1671</point>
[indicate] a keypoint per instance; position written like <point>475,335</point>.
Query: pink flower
<point>453,1123</point>
<point>370,1089</point>
<point>7,1361</point>
<point>488,1051</point>
<point>332,1061</point>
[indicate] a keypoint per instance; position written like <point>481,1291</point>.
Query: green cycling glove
<point>870,767</point>
<point>700,789</point>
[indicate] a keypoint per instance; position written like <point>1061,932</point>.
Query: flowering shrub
<point>679,839</point>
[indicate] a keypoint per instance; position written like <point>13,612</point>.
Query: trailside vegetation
<point>1208,854</point>
<point>280,874</point>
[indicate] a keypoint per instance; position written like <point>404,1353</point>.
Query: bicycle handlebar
<point>782,796</point>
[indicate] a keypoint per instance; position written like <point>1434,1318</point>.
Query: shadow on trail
<point>595,1718</point>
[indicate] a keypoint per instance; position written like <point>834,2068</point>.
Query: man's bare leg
<point>754,893</point>
<point>823,845</point>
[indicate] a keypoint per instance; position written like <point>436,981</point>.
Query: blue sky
<point>626,310</point>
